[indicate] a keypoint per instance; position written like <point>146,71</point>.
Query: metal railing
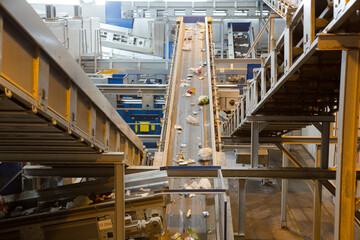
<point>282,7</point>
<point>277,69</point>
<point>166,107</point>
<point>216,107</point>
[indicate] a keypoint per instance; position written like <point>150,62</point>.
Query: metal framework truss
<point>48,105</point>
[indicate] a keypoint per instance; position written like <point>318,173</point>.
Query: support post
<point>167,49</point>
<point>254,144</point>
<point>119,201</point>
<point>241,209</point>
<point>271,34</point>
<point>284,192</point>
<point>347,144</point>
<point>222,38</point>
<point>325,140</point>
<point>317,199</point>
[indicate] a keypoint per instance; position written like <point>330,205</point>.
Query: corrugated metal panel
<point>122,143</point>
<point>131,147</point>
<point>83,113</point>
<point>100,127</point>
<point>58,97</point>
<point>112,138</point>
<point>17,58</point>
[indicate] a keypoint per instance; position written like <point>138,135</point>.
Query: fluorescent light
<point>59,2</point>
<point>100,2</point>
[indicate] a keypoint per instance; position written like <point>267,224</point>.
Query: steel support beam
<point>317,199</point>
<point>280,173</point>
<point>68,171</point>
<point>338,41</point>
<point>347,144</point>
<point>325,140</point>
<point>254,144</point>
<point>241,208</point>
<point>85,158</point>
<point>282,139</point>
<point>284,193</point>
<point>119,172</point>
<point>290,118</point>
<point>289,155</point>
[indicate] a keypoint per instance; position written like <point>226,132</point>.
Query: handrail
<point>260,34</point>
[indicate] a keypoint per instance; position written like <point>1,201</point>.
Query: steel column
<point>254,144</point>
<point>317,200</point>
<point>309,23</point>
<point>271,34</point>
<point>241,209</point>
<point>347,145</point>
<point>119,172</point>
<point>167,48</point>
<point>222,38</point>
<point>284,192</point>
<point>325,140</point>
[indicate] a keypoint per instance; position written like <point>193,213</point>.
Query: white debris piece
<point>187,95</point>
<point>184,84</point>
<point>192,120</point>
<point>78,202</point>
<point>144,189</point>
<point>142,195</point>
<point>195,113</point>
<point>191,161</point>
<point>204,183</point>
<point>192,104</point>
<point>194,185</point>
<point>184,163</point>
<point>183,145</point>
<point>205,154</point>
<point>178,127</point>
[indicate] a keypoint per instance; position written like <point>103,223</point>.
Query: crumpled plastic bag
<point>78,202</point>
<point>205,154</point>
<point>192,120</point>
<point>184,84</point>
<point>204,183</point>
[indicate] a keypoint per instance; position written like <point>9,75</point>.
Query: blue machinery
<point>140,105</point>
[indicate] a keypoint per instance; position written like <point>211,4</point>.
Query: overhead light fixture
<point>58,2</point>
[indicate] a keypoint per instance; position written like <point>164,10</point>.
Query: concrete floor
<point>262,221</point>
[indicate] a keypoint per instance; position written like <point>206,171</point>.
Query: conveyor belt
<point>191,135</point>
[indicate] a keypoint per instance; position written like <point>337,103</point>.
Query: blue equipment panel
<point>113,15</point>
